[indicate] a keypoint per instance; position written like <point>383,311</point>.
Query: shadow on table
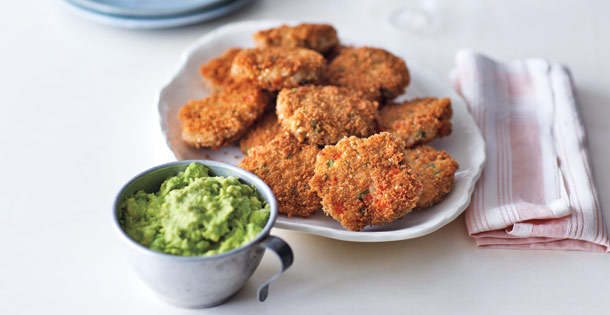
<point>340,262</point>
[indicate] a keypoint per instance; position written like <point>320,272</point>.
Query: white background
<point>78,120</point>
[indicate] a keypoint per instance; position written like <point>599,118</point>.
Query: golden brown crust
<point>275,68</point>
<point>286,166</point>
<point>435,170</point>
<point>216,73</point>
<point>376,72</point>
<point>222,117</point>
<point>318,37</point>
<point>263,131</point>
<point>418,121</point>
<point>334,52</point>
<point>365,181</point>
<point>325,114</point>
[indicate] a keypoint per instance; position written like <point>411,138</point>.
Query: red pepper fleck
<point>381,203</point>
<point>393,171</point>
<point>440,129</point>
<point>338,207</point>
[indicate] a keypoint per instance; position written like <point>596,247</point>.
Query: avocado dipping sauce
<point>195,214</point>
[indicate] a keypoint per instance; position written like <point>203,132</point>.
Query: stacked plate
<point>153,13</point>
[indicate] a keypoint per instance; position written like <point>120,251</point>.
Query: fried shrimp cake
<point>275,68</point>
<point>374,71</point>
<point>325,114</point>
<point>435,170</point>
<point>365,181</point>
<point>263,131</point>
<point>319,37</point>
<point>216,73</point>
<point>334,52</point>
<point>222,117</point>
<point>418,121</point>
<point>286,166</point>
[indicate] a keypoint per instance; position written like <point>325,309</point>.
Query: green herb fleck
<point>330,163</point>
<point>289,156</point>
<point>351,115</point>
<point>420,134</point>
<point>362,194</point>
<point>362,211</point>
<point>314,123</point>
<point>436,173</point>
<point>432,165</point>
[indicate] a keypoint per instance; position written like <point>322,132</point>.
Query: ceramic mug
<point>200,281</point>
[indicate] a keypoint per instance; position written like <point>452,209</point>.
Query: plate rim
<point>344,235</point>
<point>150,23</point>
<point>104,8</point>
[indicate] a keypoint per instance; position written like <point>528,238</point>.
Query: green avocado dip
<point>195,214</point>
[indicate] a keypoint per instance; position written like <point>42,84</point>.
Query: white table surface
<point>78,120</point>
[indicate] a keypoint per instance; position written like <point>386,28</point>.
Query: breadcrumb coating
<point>275,68</point>
<point>418,121</point>
<point>325,114</point>
<point>262,132</point>
<point>318,37</point>
<point>365,181</point>
<point>333,53</point>
<point>435,170</point>
<point>379,74</point>
<point>223,117</point>
<point>216,73</point>
<point>286,166</point>
<point>359,178</point>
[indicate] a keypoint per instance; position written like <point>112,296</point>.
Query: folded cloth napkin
<point>537,190</point>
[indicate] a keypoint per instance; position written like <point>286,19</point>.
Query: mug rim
<point>262,188</point>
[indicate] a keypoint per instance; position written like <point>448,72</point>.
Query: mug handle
<point>284,253</point>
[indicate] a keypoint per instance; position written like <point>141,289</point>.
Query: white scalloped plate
<point>465,143</point>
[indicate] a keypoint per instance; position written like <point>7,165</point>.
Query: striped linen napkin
<point>537,190</point>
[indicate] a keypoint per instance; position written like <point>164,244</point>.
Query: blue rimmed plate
<point>147,8</point>
<point>156,22</point>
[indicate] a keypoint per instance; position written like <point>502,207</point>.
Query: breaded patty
<point>275,68</point>
<point>374,71</point>
<point>435,170</point>
<point>222,117</point>
<point>216,72</point>
<point>334,52</point>
<point>325,114</point>
<point>286,166</point>
<point>262,132</point>
<point>318,37</point>
<point>365,181</point>
<point>418,121</point>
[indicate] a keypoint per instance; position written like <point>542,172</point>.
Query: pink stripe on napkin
<point>536,191</point>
